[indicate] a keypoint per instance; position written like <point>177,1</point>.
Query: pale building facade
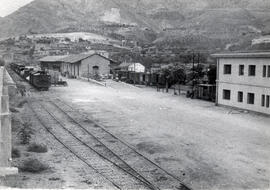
<point>84,65</point>
<point>136,67</point>
<point>132,67</point>
<point>243,81</point>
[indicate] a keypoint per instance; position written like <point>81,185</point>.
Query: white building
<point>243,81</point>
<point>133,67</point>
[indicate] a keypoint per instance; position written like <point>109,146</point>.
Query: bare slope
<point>170,19</point>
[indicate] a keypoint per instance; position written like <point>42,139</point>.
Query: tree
<point>173,75</point>
<point>81,40</point>
<point>67,39</point>
<point>212,74</point>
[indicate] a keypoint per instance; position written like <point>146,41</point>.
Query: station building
<point>84,65</point>
<point>243,81</point>
<point>78,65</point>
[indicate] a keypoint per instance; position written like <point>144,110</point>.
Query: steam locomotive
<point>41,80</point>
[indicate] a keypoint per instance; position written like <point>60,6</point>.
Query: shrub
<point>38,148</point>
<point>13,110</point>
<point>16,153</point>
<point>26,133</point>
<point>33,166</point>
<point>15,123</point>
<point>21,103</point>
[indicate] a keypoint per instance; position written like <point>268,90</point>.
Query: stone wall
<point>5,124</point>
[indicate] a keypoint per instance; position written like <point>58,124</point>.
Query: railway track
<point>92,153</point>
<point>112,149</point>
<point>115,160</point>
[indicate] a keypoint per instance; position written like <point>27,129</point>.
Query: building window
<point>251,70</point>
<point>268,74</point>
<point>263,100</point>
<point>250,98</point>
<point>240,96</point>
<point>226,94</point>
<point>267,101</point>
<point>241,69</point>
<point>227,69</point>
<point>264,71</point>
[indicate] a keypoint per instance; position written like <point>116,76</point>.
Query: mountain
<point>182,21</point>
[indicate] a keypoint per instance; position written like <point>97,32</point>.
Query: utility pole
<point>198,62</point>
<point>88,73</point>
<point>134,73</point>
<point>199,58</point>
<point>193,69</point>
<point>193,73</point>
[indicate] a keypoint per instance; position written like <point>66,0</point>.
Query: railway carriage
<point>39,79</point>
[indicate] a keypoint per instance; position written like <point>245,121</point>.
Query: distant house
<point>133,67</point>
<point>51,63</point>
<point>83,65</point>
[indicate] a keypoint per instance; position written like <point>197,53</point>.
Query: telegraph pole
<point>198,61</point>
<point>134,74</point>
<point>88,73</point>
<point>193,69</point>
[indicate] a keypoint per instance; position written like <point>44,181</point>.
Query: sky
<point>9,6</point>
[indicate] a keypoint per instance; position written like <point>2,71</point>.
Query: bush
<point>21,103</point>
<point>16,153</point>
<point>13,110</point>
<point>33,166</point>
<point>38,148</point>
<point>26,133</point>
<point>15,123</point>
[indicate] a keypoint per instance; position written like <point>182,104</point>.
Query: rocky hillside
<point>185,21</point>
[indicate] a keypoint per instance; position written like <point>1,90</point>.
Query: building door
<point>95,70</point>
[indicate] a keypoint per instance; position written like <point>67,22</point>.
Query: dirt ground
<point>209,147</point>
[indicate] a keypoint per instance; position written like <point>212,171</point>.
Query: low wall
<point>6,83</point>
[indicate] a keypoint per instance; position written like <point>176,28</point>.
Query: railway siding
<point>119,178</point>
<point>111,158</point>
<point>148,169</point>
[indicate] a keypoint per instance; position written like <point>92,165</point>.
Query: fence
<point>6,83</point>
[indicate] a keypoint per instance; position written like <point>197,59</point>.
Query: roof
<point>52,58</point>
<point>79,57</point>
<point>125,64</point>
<point>76,58</point>
<point>206,85</point>
<point>242,55</point>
